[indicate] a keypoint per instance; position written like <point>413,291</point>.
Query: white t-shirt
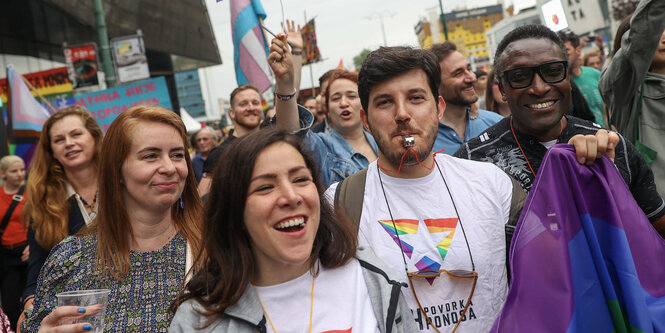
<point>341,302</point>
<point>433,238</point>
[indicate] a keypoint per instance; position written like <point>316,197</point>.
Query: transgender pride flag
<point>584,257</point>
<point>250,50</point>
<point>28,116</point>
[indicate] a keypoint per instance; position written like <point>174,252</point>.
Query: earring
<point>182,204</point>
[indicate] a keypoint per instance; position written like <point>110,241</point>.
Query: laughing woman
<point>149,213</point>
<point>277,260</point>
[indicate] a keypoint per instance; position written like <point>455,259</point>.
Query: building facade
<point>466,28</point>
<point>189,93</point>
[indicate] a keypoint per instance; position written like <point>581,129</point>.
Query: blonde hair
<point>112,223</point>
<point>8,160</point>
<point>46,203</point>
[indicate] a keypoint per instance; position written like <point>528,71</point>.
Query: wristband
<point>296,52</point>
<point>285,97</point>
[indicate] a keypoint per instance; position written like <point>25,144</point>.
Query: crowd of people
<point>385,204</point>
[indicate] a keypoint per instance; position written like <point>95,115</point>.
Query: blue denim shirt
<point>448,139</point>
<point>334,155</point>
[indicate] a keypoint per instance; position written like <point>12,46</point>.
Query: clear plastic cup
<point>94,300</point>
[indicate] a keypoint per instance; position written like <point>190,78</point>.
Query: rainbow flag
<point>250,50</point>
<point>584,257</point>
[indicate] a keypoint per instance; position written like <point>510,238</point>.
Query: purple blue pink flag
<point>584,257</point>
<point>250,50</point>
<point>28,115</point>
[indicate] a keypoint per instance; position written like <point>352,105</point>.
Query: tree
<point>358,60</point>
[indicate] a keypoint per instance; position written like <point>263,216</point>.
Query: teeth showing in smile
<point>298,223</point>
<point>541,105</point>
<point>71,153</point>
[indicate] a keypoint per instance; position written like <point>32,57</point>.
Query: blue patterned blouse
<point>138,303</point>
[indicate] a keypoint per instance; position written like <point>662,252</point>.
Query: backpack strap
<point>516,204</point>
<point>349,197</point>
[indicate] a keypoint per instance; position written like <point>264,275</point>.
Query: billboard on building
<point>82,65</point>
<point>130,60</point>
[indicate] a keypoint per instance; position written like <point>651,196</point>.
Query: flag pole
<point>311,74</point>
<point>9,135</point>
<point>32,88</point>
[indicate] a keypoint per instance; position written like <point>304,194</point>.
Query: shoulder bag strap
<point>349,197</point>
<point>18,197</point>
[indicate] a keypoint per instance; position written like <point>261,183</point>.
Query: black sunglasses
<point>550,72</point>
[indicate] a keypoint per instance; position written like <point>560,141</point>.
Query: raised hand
<point>293,35</point>
<point>280,60</point>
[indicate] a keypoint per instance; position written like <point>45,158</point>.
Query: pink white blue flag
<point>250,50</point>
<point>27,113</point>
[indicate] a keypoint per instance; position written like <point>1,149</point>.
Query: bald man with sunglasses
<point>532,68</point>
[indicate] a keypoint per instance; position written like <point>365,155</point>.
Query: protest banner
<point>106,105</point>
<point>52,84</point>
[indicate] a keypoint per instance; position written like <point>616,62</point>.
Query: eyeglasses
<point>429,274</point>
<point>550,72</point>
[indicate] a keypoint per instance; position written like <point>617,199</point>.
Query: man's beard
<point>458,99</point>
<point>412,156</point>
<point>461,101</point>
<point>242,122</point>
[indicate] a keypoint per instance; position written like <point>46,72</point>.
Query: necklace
<point>406,268</point>
<point>311,308</point>
<point>89,207</point>
<point>520,146</point>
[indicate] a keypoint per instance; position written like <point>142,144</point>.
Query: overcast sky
<point>343,28</point>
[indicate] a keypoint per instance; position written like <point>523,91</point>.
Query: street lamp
<point>443,20</point>
<point>383,30</point>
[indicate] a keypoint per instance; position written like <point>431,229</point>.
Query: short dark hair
<point>442,51</point>
<point>387,62</point>
<point>536,31</point>
<point>243,87</point>
<point>569,36</point>
<point>227,258</point>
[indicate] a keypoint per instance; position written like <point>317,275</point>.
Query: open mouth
<point>72,153</point>
<point>540,106</point>
<point>346,114</point>
<point>291,225</point>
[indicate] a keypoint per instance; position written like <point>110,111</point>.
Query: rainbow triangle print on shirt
<point>404,227</point>
<point>442,225</point>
